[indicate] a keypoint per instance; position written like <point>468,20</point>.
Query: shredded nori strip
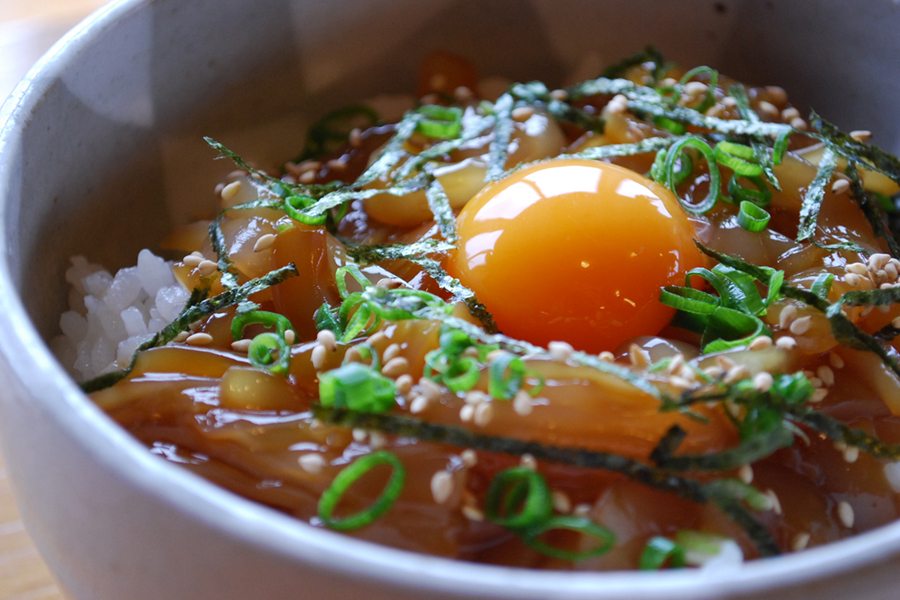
<point>815,194</point>
<point>440,208</point>
<point>374,253</point>
<point>760,150</point>
<point>870,209</point>
<point>841,143</point>
<point>757,447</point>
<point>498,151</point>
<point>648,54</point>
<point>191,314</point>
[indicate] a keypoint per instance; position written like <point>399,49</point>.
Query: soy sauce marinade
<point>343,357</point>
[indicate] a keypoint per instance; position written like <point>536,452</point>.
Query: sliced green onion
<point>265,318</point>
<point>357,387</point>
<point>729,328</point>
<point>822,285</point>
<point>753,218</point>
<point>659,550</point>
<point>324,318</point>
<point>710,98</point>
<point>669,175</point>
<point>294,204</point>
<point>781,144</point>
<point>340,279</point>
<point>507,373</point>
<point>263,350</point>
<point>346,478</point>
<point>463,376</point>
<point>440,122</point>
<point>688,299</point>
<point>684,166</point>
<point>581,525</point>
<point>669,125</point>
<point>762,195</point>
<point>535,508</point>
<point>736,157</point>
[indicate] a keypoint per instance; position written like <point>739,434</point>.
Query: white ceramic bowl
<point>102,154</point>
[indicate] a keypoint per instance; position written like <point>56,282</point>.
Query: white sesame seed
<point>441,486</point>
<point>469,457</point>
<point>484,412</point>
<point>522,113</point>
<point>736,373</point>
<point>867,311</point>
<point>826,375</point>
<point>787,316</point>
<point>377,440</point>
<point>891,271</point>
<point>561,95</point>
<point>207,267</point>
<point>861,135</point>
<point>814,381</point>
<point>725,362</point>
<point>800,541</point>
<point>581,510</point>
<point>761,343</point>
<point>853,280</point>
<point>199,339</point>
<point>836,361</point>
<point>745,473</point>
<point>675,363</point>
<point>840,186</point>
<point>561,501</point>
<point>777,94</point>
<point>714,371</point>
<point>475,397</point>
<point>360,435</point>
<point>307,177</point>
<point>769,109</point>
<point>695,88</point>
<point>403,384</point>
<point>418,404</point>
<point>801,325</point>
<point>845,514</point>
<point>327,339</point>
<point>522,403</point>
<point>818,395</point>
<point>775,502</point>
<point>680,382</point>
<point>308,166</point>
<point>230,190</point>
<point>798,123</point>
<point>429,389</point>
<point>878,260</point>
<point>395,367</point>
<point>606,356</point>
<point>560,351</point>
<point>851,454</point>
<point>638,356</point>
<point>390,352</point>
<point>763,381</point>
<point>242,346</point>
<point>181,337</point>
<point>192,261</point>
<point>355,137</point>
<point>472,513</point>
<point>463,93</point>
<point>218,189</point>
<point>716,110</point>
<point>896,323</point>
<point>528,462</point>
<point>668,82</point>
<point>353,355</point>
<point>311,463</point>
<point>388,283</point>
<point>317,358</point>
<point>336,164</point>
<point>377,339</point>
<point>466,413</point>
<point>858,268</point>
<point>729,102</point>
<point>789,114</point>
<point>264,242</point>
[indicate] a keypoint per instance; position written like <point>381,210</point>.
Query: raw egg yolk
<point>574,250</point>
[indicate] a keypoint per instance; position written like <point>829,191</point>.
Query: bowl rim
<point>60,399</point>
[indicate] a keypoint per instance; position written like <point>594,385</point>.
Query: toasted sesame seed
<point>337,164</point>
<point>360,435</point>
<point>861,135</point>
<point>851,454</point>
<point>522,403</point>
<point>826,375</point>
<point>716,110</point>
<point>192,260</point>
<point>466,413</point>
<point>264,242</point>
<point>560,351</point>
<point>311,463</point>
<point>668,82</point>
<point>617,106</point>
<point>561,501</point>
<point>353,355</point>
<point>230,190</point>
<point>355,137</point>
<point>761,343</point>
<point>392,351</point>
<point>891,271</point>
<point>836,361</point>
<point>878,260</point>
<point>463,93</point>
<point>199,339</point>
<point>472,513</point>
<point>858,268</point>
<point>606,356</point>
<point>675,363</point>
<point>763,381</point>
<point>695,88</point>
<point>207,267</point>
<point>181,337</point>
<point>528,462</point>
<point>522,113</point>
<point>242,346</point>
<point>853,280</point>
<point>475,397</point>
<point>389,283</point>
<point>769,109</point>
<point>307,177</point>
<point>395,367</point>
<point>800,541</point>
<point>290,337</point>
<point>777,94</point>
<point>441,486</point>
<point>745,473</point>
<point>787,316</point>
<point>484,412</point>
<point>818,395</point>
<point>327,339</point>
<point>469,457</point>
<point>729,102</point>
<point>429,389</point>
<point>581,510</point>
<point>840,186</point>
<point>798,123</point>
<point>317,358</point>
<point>867,311</point>
<point>714,371</point>
<point>845,514</point>
<point>725,362</point>
<point>736,373</point>
<point>418,404</point>
<point>638,356</point>
<point>814,381</point>
<point>801,325</point>
<point>775,502</point>
<point>561,95</point>
<point>403,384</point>
<point>680,382</point>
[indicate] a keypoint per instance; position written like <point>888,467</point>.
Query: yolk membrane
<point>574,250</point>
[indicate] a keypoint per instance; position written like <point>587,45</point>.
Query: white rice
<point>110,316</point>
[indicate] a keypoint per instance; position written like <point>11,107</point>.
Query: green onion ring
<point>440,122</point>
<point>753,218</point>
<point>536,508</point>
<point>466,379</point>
<point>736,157</point>
<point>781,144</point>
<point>715,181</point>
<point>822,285</point>
<point>710,98</point>
<point>357,387</point>
<point>761,196</point>
<point>264,347</point>
<point>578,524</point>
<point>265,318</point>
<point>294,204</point>
<point>657,551</point>
<point>689,300</point>
<point>501,385</point>
<point>346,478</point>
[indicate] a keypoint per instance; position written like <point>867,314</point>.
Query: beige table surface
<point>27,29</point>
